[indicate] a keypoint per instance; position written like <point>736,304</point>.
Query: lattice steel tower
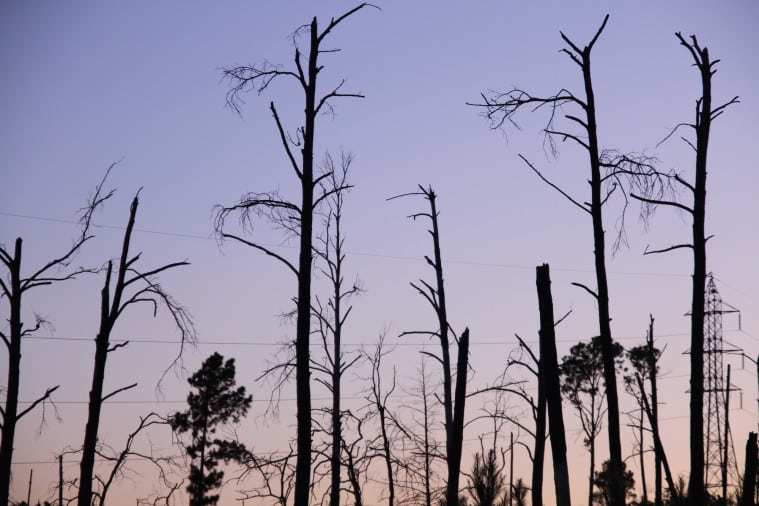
<point>718,442</point>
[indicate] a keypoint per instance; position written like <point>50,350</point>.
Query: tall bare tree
<point>331,319</point>
<point>453,402</point>
<point>706,112</point>
<point>610,171</point>
<point>15,284</point>
<point>297,218</point>
<point>131,287</point>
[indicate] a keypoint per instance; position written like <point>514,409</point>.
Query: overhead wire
<point>355,253</point>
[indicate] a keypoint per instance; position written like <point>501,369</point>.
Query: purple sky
<point>86,84</point>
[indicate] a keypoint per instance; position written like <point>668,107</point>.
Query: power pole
<point>511,469</point>
<point>717,439</point>
<point>60,480</point>
<point>29,490</point>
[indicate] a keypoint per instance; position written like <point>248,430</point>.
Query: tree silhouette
<point>14,289</point>
<point>131,288</point>
<point>582,384</point>
<point>644,362</point>
<point>551,383</point>
<point>486,483</point>
<point>330,318</point>
<point>602,480</point>
<point>705,114</point>
<point>295,218</point>
<point>610,171</point>
<point>215,402</point>
<point>453,400</point>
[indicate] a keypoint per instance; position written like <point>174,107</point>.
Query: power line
<point>319,344</point>
<point>356,253</point>
<point>281,399</point>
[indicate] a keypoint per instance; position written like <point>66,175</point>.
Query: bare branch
<point>117,391</point>
<point>34,404</point>
<point>591,292</point>
<point>664,250</point>
<point>552,185</point>
<point>265,250</point>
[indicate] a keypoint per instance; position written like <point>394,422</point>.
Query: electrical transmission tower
<point>719,454</point>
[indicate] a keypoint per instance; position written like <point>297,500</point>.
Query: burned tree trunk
<point>52,272</point>
<point>653,370</point>
<point>552,386</point>
<point>609,170</point>
<point>538,461</point>
<point>749,472</point>
<point>705,114</point>
<point>658,446</point>
<point>453,407</point>
<point>111,308</point>
<point>298,218</point>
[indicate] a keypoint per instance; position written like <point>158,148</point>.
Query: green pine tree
<point>215,402</point>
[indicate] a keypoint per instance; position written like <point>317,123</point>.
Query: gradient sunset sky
<point>86,84</point>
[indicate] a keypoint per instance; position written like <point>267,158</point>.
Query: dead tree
<point>357,455</point>
<point>423,448</point>
<point>705,114</point>
<point>378,398</point>
<point>14,287</point>
<point>610,171</point>
<point>276,475</point>
<point>644,361</point>
<point>524,358</point>
<point>552,386</point>
<point>453,407</point>
<point>131,287</point>
<point>674,491</point>
<point>749,473</point>
<point>164,466</point>
<point>331,319</point>
<point>297,218</point>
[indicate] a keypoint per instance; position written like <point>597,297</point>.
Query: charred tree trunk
<point>303,319</point>
<point>13,342</point>
<point>457,429</point>
<point>427,449</point>
<point>602,294</point>
<point>13,292</point>
<point>654,422</point>
<point>502,107</point>
<point>453,407</point>
<point>259,78</point>
<point>658,446</point>
<point>108,315</point>
<point>592,470</point>
<point>111,308</point>
<point>87,464</point>
<point>539,453</point>
<point>553,389</point>
<point>702,127</point>
<point>641,455</point>
<point>749,473</point>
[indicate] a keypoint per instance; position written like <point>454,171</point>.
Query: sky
<point>87,84</point>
